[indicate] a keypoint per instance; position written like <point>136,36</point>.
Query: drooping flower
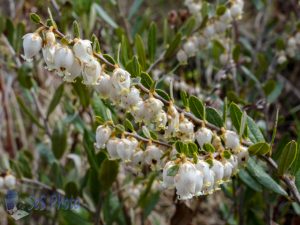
<point>203,136</point>
<point>228,169</point>
<point>153,155</point>
<point>10,181</point>
<point>138,157</point>
<point>63,59</point>
<point>131,98</point>
<point>182,56</point>
<point>232,140</point>
<point>173,121</point>
<point>186,130</point>
<point>126,147</point>
<point>103,133</point>
<point>83,50</point>
<point>218,170</point>
<point>168,181</point>
<point>91,72</point>
<point>153,106</point>
<point>111,147</point>
<point>103,86</point>
<point>120,80</point>
<point>243,155</point>
<point>32,44</point>
<point>74,72</point>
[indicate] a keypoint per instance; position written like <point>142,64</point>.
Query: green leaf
<point>133,67</point>
<point>249,180</point>
<point>197,107</point>
<point>82,92</point>
<point>128,125</point>
<point>209,148</point>
<point>71,189</point>
<point>104,15</point>
<point>88,144</point>
<point>173,46</point>
<point>296,164</point>
<point>109,59</point>
<point>146,80</point>
<point>28,112</point>
<point>108,173</point>
<point>236,115</point>
<point>173,171</point>
<point>120,128</point>
<point>59,140</point>
<point>226,154</point>
<point>139,45</point>
<point>146,132</point>
<point>263,178</point>
<point>188,27</point>
<point>255,133</point>
<point>260,148</point>
<point>163,94</point>
<point>35,18</point>
<point>55,99</point>
<point>152,41</point>
<point>214,117</point>
<point>184,98</point>
<point>134,8</point>
<point>76,29</point>
<point>287,157</point>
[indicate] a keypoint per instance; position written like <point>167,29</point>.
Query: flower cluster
<point>293,44</point>
<point>215,27</point>
<point>7,182</point>
<point>68,63</point>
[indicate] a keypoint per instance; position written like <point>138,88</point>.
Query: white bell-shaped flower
<point>182,56</point>
<point>126,147</point>
<point>199,183</point>
<point>153,155</point>
<point>83,50</point>
<point>173,121</point>
<point>236,11</point>
<point>226,17</point>
<point>190,48</point>
<point>208,182</point>
<point>168,181</point>
<point>194,8</point>
<point>153,106</point>
<point>218,170</point>
<point>186,130</point>
<point>235,163</point>
<point>32,44</point>
<point>203,167</point>
<point>228,169</point>
<point>161,120</point>
<point>185,181</point>
<point>243,155</point>
<point>49,55</point>
<point>10,181</point>
<point>209,31</point>
<point>120,80</point>
<point>131,98</point>
<point>91,72</point>
<point>103,86</point>
<point>138,111</point>
<point>74,72</point>
<point>103,133</point>
<point>111,147</point>
<point>220,26</point>
<point>138,157</point>
<point>63,59</point>
<point>232,139</point>
<point>203,136</point>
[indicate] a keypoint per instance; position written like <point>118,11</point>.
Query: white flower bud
<point>32,44</point>
<point>153,155</point>
<point>63,58</point>
<point>120,80</point>
<point>91,72</point>
<point>186,130</point>
<point>74,72</point>
<point>138,111</point>
<point>243,155</point>
<point>236,11</point>
<point>103,133</point>
<point>152,106</point>
<point>1,183</point>
<point>208,181</point>
<point>218,170</point>
<point>185,181</point>
<point>182,56</point>
<point>111,147</point>
<point>131,98</point>
<point>168,181</point>
<point>10,181</point>
<point>103,86</point>
<point>50,38</point>
<point>228,169</point>
<point>83,50</point>
<point>209,31</point>
<point>203,136</point>
<point>126,148</point>
<point>190,48</point>
<point>232,140</point>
